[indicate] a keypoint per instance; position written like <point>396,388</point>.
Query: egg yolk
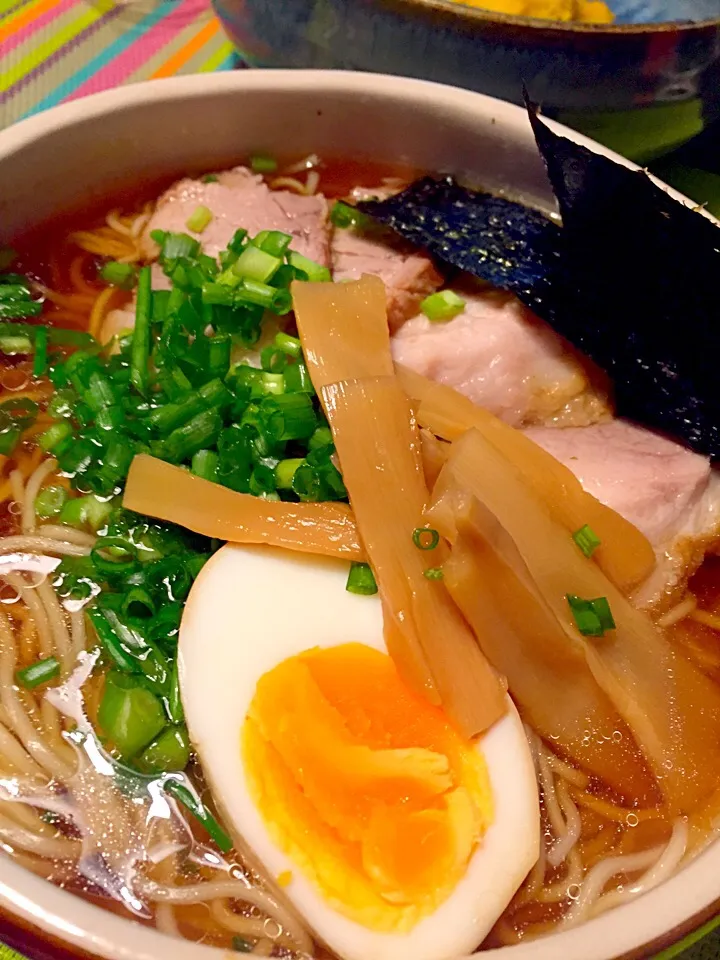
<point>581,11</point>
<point>368,788</point>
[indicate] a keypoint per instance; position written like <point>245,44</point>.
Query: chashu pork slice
<point>241,199</point>
<point>670,493</point>
<point>505,359</point>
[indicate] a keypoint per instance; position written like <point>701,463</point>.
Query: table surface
<point>53,51</point>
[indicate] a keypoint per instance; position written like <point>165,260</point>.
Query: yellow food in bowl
<point>583,11</point>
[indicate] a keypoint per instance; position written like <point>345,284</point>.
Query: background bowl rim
<point>450,10</point>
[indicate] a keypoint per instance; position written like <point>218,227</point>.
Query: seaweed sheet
<point>631,278</point>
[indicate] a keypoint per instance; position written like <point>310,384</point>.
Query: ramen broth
<point>75,823</point>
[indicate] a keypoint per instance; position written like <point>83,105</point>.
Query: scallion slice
<point>361,580</point>
<point>262,163</point>
<point>315,272</point>
<point>119,274</point>
<point>587,540</point>
<point>442,306</point>
<point>197,808</point>
<point>50,501</point>
<point>592,617</point>
<point>199,219</point>
<point>255,264</point>
<point>425,538</point>
<point>42,671</point>
<point>433,573</point>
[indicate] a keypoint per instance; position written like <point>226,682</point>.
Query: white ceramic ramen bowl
<point>76,153</point>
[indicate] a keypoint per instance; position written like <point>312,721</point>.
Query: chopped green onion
<point>315,272</point>
<point>297,378</point>
<point>167,753</point>
<point>20,309</point>
<point>433,573</point>
<point>110,642</point>
<point>241,945</point>
<point>38,673</point>
<point>9,439</point>
<point>273,383</point>
<point>49,502</point>
<point>122,275</point>
<point>344,215</point>
<point>587,540</point>
<point>273,242</point>
<point>261,163</point>
<point>289,345</point>
<point>12,346</point>
<point>199,219</point>
<point>197,808</point>
<point>210,178</point>
<point>592,617</point>
<point>202,431</point>
<point>361,580</point>
<point>140,349</point>
<point>255,264</point>
<point>41,352</point>
<point>425,538</point>
<point>441,306</point>
<point>138,604</point>
<point>285,471</point>
<point>174,246</point>
<point>129,714</point>
<point>321,438</point>
<point>53,436</point>
<point>205,465</point>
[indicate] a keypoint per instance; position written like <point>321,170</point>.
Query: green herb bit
<point>587,540</point>
<point>315,272</point>
<point>361,580</point>
<point>273,242</point>
<point>285,472</point>
<point>40,360</point>
<point>38,673</point>
<point>433,573</point>
<point>344,215</point>
<point>12,346</point>
<point>210,178</point>
<point>167,753</point>
<point>50,501</point>
<point>205,465</point>
<point>129,714</point>
<point>197,808</point>
<point>241,945</point>
<point>287,344</point>
<point>119,274</point>
<point>140,348</point>
<point>592,617</point>
<point>199,219</point>
<point>255,264</point>
<point>425,538</point>
<point>262,163</point>
<point>442,306</point>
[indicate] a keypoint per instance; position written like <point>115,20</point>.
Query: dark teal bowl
<point>644,85</point>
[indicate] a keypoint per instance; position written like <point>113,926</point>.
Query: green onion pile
<point>170,389</point>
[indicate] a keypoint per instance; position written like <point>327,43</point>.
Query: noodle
<point>683,609</point>
<point>67,534</point>
<point>37,545</point>
<point>32,489</point>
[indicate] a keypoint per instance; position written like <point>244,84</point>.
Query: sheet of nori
<point>631,278</point>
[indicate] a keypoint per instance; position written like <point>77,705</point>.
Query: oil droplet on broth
<point>573,891</point>
<point>632,820</point>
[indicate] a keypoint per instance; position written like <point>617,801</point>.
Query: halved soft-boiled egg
<point>390,834</point>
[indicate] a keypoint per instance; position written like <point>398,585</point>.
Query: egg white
<point>250,609</point>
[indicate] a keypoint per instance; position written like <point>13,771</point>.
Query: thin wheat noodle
<point>252,928</point>
<point>57,531</point>
<point>38,545</point>
<point>599,876</point>
<point>115,223</point>
<point>312,182</point>
<point>78,635</point>
<point>75,302</point>
<point>20,722</point>
<point>663,868</point>
<point>552,807</point>
<point>307,163</point>
<point>97,314</point>
<point>77,277</point>
<point>56,617</point>
<point>289,183</point>
<point>612,812</point>
<point>558,892</point>
<point>706,618</point>
<point>29,596</point>
<point>263,948</point>
<point>24,815</point>
<point>565,771</point>
<point>32,488</point>
<point>55,848</point>
<point>678,612</point>
<point>164,912</point>
<point>15,754</point>
<point>233,889</point>
<point>17,486</point>
<point>573,827</point>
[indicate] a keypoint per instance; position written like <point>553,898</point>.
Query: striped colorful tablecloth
<point>56,50</point>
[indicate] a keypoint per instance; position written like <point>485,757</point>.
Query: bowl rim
<point>451,10</point>
<point>684,901</point>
